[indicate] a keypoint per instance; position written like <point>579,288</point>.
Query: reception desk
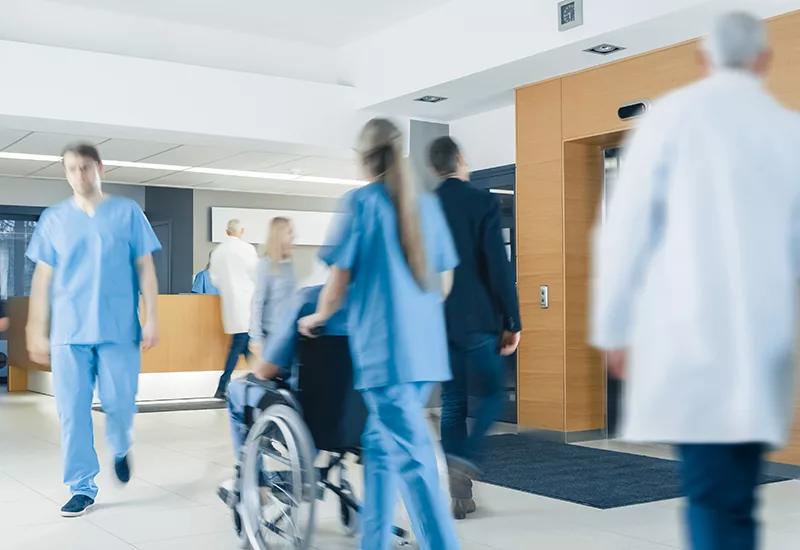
<point>186,363</point>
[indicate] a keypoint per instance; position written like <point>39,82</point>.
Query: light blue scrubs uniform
<point>94,332</point>
<point>398,342</point>
<point>202,284</point>
<point>280,350</point>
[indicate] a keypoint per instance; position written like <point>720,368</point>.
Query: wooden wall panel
<point>539,123</point>
<point>784,78</point>
<point>591,98</point>
<point>584,375</point>
<point>539,262</point>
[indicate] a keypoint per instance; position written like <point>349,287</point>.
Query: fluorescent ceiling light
<point>193,169</point>
<point>501,191</point>
<point>241,173</point>
<point>26,156</point>
<point>145,165</point>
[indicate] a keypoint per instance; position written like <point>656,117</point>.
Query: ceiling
<point>328,23</point>
<point>173,165</point>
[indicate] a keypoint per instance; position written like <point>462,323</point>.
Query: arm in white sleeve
<point>623,242</point>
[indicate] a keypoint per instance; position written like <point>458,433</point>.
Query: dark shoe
<point>123,469</point>
<point>463,506</point>
<point>221,394</point>
<point>76,506</point>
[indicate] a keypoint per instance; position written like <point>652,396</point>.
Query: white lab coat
<point>695,269</point>
<point>233,271</point>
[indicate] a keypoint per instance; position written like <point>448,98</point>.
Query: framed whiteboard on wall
<point>310,228</point>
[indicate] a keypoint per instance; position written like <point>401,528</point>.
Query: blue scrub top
<point>281,343</point>
<point>397,330</point>
<point>95,289</point>
<point>202,284</point>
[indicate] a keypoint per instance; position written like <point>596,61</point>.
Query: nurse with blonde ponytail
<point>391,258</point>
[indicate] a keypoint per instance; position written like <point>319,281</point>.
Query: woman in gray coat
<point>276,283</point>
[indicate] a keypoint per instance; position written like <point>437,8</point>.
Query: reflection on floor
<point>180,457</point>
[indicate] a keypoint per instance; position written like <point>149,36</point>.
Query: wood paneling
<point>584,375</point>
<point>191,338</point>
<point>539,127</point>
<point>540,262</point>
<point>591,98</point>
<point>561,381</point>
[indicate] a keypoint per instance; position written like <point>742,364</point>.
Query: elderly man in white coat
<point>232,268</point>
<point>695,280</point>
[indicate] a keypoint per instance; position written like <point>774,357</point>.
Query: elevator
<point>613,395</point>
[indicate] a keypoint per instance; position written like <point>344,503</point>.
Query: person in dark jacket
<point>482,312</point>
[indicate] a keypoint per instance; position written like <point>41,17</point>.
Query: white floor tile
<point>180,458</point>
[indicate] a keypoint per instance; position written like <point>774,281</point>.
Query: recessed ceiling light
<point>604,49</point>
<point>431,99</point>
<point>193,169</point>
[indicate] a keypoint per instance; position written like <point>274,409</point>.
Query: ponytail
<point>384,160</point>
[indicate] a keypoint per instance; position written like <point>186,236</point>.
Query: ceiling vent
<point>604,49</point>
<point>431,99</point>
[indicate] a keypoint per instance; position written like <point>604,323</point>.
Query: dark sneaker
<point>76,506</point>
<point>221,394</point>
<point>463,506</point>
<point>123,469</point>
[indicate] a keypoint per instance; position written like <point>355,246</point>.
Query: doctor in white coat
<point>232,269</point>
<point>695,280</point>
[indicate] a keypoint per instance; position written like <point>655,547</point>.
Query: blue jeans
<point>720,482</point>
<point>479,355</point>
<point>238,347</point>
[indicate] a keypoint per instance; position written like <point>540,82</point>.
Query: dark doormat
<point>591,477</point>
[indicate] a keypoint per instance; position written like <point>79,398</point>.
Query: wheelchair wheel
<point>347,515</point>
<point>279,481</point>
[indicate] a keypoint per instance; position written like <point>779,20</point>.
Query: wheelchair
<point>278,482</point>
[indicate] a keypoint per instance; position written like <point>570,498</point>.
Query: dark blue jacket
<point>484,296</point>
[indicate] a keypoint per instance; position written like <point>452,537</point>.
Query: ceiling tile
<point>254,185</point>
<point>182,178</point>
<point>54,170</point>
<point>9,136</point>
<point>134,175</point>
<point>132,150</point>
<point>190,155</point>
<point>20,167</point>
<point>321,166</point>
<point>252,160</point>
<point>41,143</point>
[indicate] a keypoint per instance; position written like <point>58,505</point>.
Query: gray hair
<point>736,41</point>
<point>234,226</point>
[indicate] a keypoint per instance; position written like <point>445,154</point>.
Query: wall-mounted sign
<point>570,14</point>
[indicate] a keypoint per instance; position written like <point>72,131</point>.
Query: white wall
<point>487,139</point>
<point>204,200</point>
<point>41,192</point>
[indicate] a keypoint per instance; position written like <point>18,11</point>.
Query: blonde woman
<point>275,282</point>
<point>392,258</point>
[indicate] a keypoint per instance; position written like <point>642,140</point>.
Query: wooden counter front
<point>191,338</point>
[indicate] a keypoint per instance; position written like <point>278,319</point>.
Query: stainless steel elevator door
<point>614,388</point>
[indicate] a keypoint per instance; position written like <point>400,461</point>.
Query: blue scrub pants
<point>399,454</point>
<point>720,482</point>
<point>76,368</point>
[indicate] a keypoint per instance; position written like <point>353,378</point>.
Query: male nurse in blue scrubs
<point>93,255</point>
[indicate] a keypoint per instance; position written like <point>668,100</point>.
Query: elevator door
<point>614,387</point>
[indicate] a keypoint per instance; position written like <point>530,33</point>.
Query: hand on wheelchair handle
<point>310,326</point>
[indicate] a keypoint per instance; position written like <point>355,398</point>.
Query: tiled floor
<point>180,458</point>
